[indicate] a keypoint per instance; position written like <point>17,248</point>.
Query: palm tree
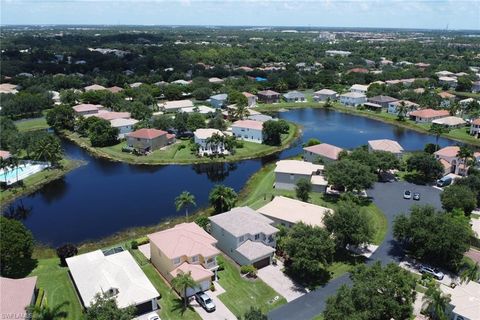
<point>241,112</point>
<point>214,141</point>
<point>402,111</point>
<point>181,283</point>
<point>49,149</point>
<point>45,312</point>
<point>222,198</point>
<point>436,303</point>
<point>465,153</point>
<point>184,200</point>
<point>471,272</point>
<point>14,164</point>
<point>437,130</point>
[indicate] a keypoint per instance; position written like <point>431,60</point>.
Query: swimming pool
<point>24,170</point>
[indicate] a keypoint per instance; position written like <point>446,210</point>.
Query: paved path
<point>389,198</point>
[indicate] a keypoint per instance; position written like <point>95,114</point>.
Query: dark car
<point>416,196</point>
<point>205,301</point>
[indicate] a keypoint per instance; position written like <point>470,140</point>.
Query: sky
<point>429,14</point>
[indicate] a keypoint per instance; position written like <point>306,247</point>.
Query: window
<point>292,177</point>
<point>257,236</point>
<point>195,258</point>
<point>176,261</point>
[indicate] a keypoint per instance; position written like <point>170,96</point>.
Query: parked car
<point>416,196</point>
<point>153,317</point>
<point>407,194</point>
<point>204,300</point>
<point>445,181</point>
<point>432,271</point>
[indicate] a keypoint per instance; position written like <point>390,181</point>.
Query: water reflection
<point>18,211</point>
<point>53,191</point>
<point>216,172</point>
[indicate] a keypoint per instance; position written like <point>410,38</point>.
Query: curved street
<point>389,198</point>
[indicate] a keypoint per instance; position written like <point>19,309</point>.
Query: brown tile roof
<point>476,122</point>
<point>325,150</point>
<point>4,154</point>
<point>268,93</point>
<point>450,152</point>
<point>429,113</point>
<point>446,95</point>
<point>147,133</point>
<point>249,124</point>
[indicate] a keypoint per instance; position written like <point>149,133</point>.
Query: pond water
<point>104,197</point>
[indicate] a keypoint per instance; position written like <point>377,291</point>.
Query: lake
<point>104,197</point>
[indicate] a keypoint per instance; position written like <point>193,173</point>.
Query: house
<point>448,81</point>
<point>199,109</point>
<point>294,96</point>
<point>94,87</point>
<point>251,99</point>
<point>85,109</point>
<point>289,172</point>
<point>260,117</point>
<point>268,96</point>
<point>464,300</point>
<point>288,212</point>
<point>176,105</point>
<point>185,248</point>
<point>450,161</point>
<point>15,296</point>
<point>219,100</point>
<point>7,88</point>
<point>447,99</point>
<point>357,70</point>
<point>450,122</point>
<point>324,95</point>
<point>245,235</point>
<point>382,100</point>
<point>341,53</point>
<point>353,98</point>
<point>323,151</point>
<point>116,274</point>
<point>394,107</point>
<point>111,115</point>
<point>372,106</point>
<point>215,80</point>
<point>444,74</point>
<point>202,138</point>
<point>124,126</point>
<point>4,155</point>
<point>465,102</point>
<point>388,145</point>
<point>182,82</point>
<point>359,88</point>
<point>115,89</point>
<point>427,115</point>
<point>146,140</point>
<point>475,127</point>
<point>248,130</point>
<point>476,87</point>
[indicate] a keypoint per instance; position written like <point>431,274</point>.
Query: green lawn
<point>241,294</point>
<point>32,124</point>
<point>58,286</point>
<point>180,152</point>
<point>37,180</point>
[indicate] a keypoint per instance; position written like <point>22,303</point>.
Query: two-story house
<point>185,248</point>
<point>248,130</point>
<point>206,144</point>
<point>245,235</point>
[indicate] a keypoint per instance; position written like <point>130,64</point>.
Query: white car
<point>153,317</point>
<point>407,194</point>
<point>204,300</point>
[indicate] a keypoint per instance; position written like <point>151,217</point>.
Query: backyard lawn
<point>32,124</point>
<point>58,286</point>
<point>241,294</point>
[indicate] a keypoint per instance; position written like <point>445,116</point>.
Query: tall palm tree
<point>45,312</point>
<point>436,303</point>
<point>401,111</point>
<point>49,149</point>
<point>471,272</point>
<point>465,153</point>
<point>181,283</point>
<point>184,200</point>
<point>222,198</point>
<point>241,112</point>
<point>437,130</point>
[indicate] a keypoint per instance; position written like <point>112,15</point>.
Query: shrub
<point>142,240</point>
<point>249,269</point>
<point>221,265</point>
<point>212,287</point>
<point>134,244</point>
<point>66,251</point>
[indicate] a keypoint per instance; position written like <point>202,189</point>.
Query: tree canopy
<point>16,246</point>
<point>349,174</point>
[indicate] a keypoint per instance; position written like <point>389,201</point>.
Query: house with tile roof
<point>464,301</point>
<point>475,127</point>
<point>394,106</point>
<point>294,96</point>
<point>324,95</point>
<point>289,172</point>
<point>86,109</point>
<point>202,137</point>
<point>324,151</point>
<point>94,87</point>
<point>382,100</point>
<point>251,243</point>
<point>175,106</point>
<point>124,126</point>
<point>427,115</point>
<point>15,296</point>
<point>353,98</point>
<point>450,122</point>
<point>387,145</point>
<point>185,248</point>
<point>450,161</point>
<point>147,140</point>
<point>248,130</point>
<point>251,99</point>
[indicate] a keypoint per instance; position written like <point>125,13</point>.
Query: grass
<point>36,181</point>
<point>241,294</point>
<point>58,286</point>
<point>171,306</point>
<point>32,124</point>
<point>180,152</point>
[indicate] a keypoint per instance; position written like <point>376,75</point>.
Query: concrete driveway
<point>221,312</point>
<point>389,198</point>
<point>280,282</point>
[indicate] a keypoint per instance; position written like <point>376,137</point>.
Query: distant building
<point>324,95</point>
<point>248,130</point>
<point>353,99</point>
<point>449,81</point>
<point>219,100</point>
<point>251,99</point>
<point>359,88</point>
<point>94,87</point>
<point>382,100</point>
<point>115,89</point>
<point>124,126</point>
<point>215,80</point>
<point>393,107</point>
<point>428,115</point>
<point>323,151</point>
<point>8,88</point>
<point>176,105</point>
<point>268,96</point>
<point>5,154</point>
<point>475,127</point>
<point>146,140</point>
<point>111,115</point>
<point>450,122</point>
<point>476,87</point>
<point>450,160</point>
<point>85,109</point>
<point>289,172</point>
<point>387,145</point>
<point>294,96</point>
<point>333,53</point>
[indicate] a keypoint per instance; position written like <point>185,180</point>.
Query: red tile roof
<point>450,152</point>
<point>358,70</point>
<point>476,122</point>
<point>147,133</point>
<point>326,150</point>
<point>4,154</point>
<point>249,124</point>
<point>446,95</point>
<point>15,296</point>
<point>429,113</point>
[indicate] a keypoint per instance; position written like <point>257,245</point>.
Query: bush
<point>134,244</point>
<point>212,287</point>
<point>221,265</point>
<point>66,251</point>
<point>142,240</point>
<point>249,269</point>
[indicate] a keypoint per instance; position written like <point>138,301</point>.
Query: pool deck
<point>21,172</point>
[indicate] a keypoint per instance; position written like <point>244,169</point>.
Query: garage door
<point>203,286</point>
<point>262,263</point>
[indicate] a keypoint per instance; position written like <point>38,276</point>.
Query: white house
<point>248,130</point>
<point>393,107</point>
<point>251,99</point>
<point>174,106</point>
<point>117,274</point>
<point>475,127</point>
<point>353,98</point>
<point>359,88</point>
<point>202,137</point>
<point>289,172</point>
<point>245,235</point>
<point>324,94</point>
<point>450,122</point>
<point>124,126</point>
<point>464,300</point>
<point>449,81</point>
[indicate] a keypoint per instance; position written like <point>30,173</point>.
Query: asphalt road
<point>389,198</point>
